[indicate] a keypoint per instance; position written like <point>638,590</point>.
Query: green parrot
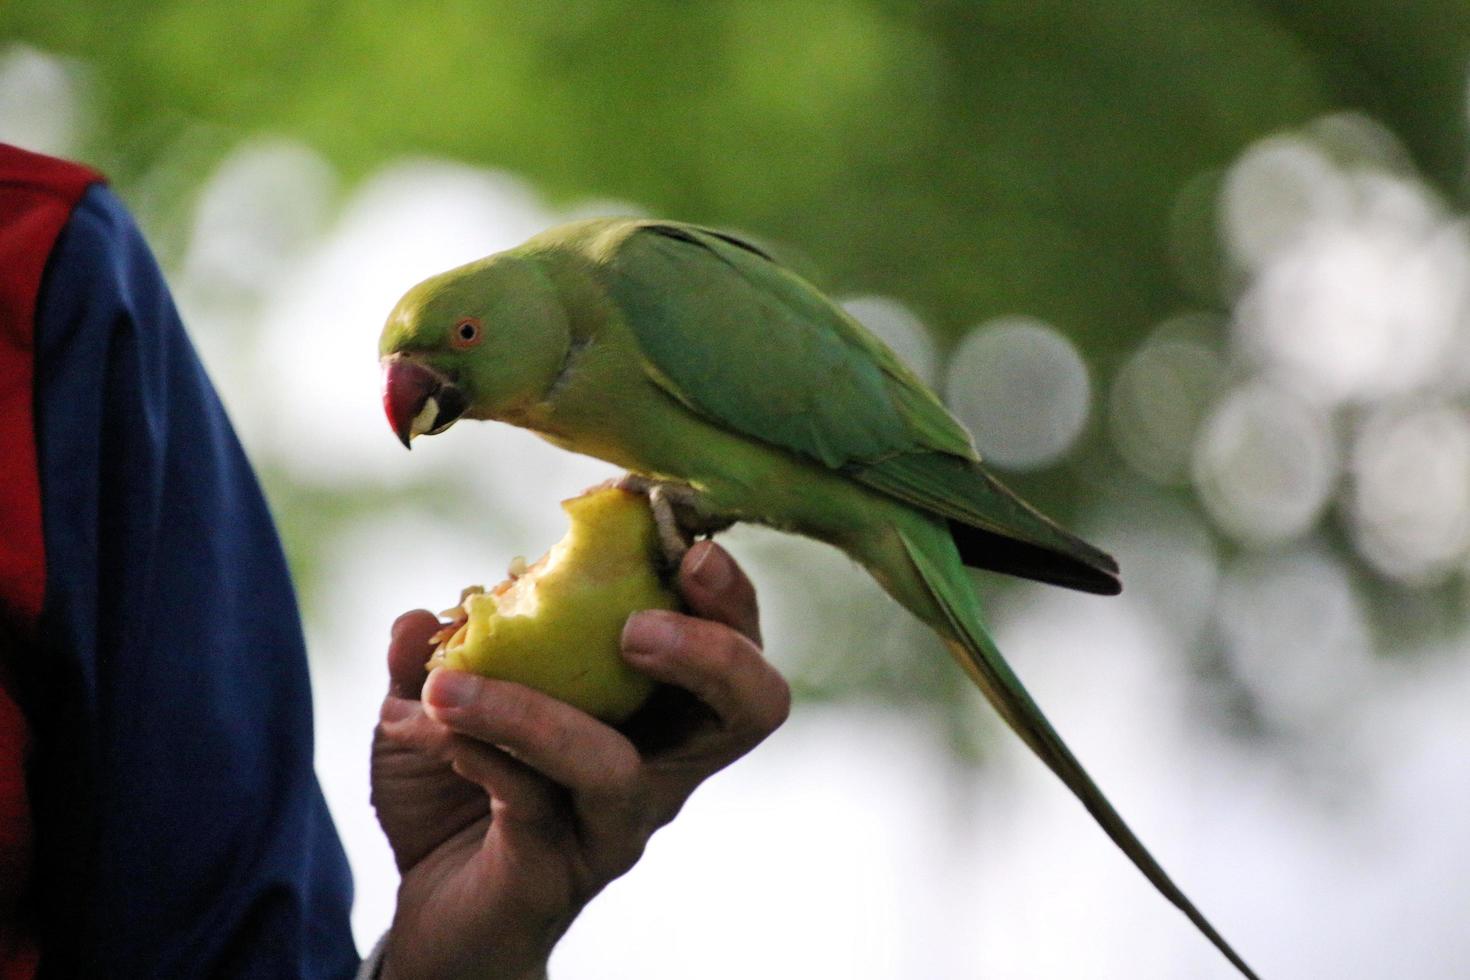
<point>739,392</point>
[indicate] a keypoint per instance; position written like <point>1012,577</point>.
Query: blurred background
<point>1197,276</point>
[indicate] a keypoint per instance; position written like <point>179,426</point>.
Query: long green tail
<point>949,586</point>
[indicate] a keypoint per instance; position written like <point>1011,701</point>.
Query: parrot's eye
<point>466,332</point>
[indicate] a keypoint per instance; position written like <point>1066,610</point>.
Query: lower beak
<point>417,399</point>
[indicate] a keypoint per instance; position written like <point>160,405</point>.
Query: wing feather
<point>755,346</point>
<point>742,340</point>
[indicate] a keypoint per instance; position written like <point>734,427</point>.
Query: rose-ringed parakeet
<point>693,360</point>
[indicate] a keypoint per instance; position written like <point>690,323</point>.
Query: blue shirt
<point>179,827</point>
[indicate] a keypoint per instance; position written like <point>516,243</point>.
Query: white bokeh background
<point>854,844</point>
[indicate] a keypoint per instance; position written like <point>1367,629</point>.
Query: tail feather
<point>977,654</point>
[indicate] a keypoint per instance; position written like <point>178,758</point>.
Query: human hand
<point>507,810</point>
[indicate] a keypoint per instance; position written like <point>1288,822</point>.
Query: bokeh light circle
<point>1277,189</point>
<point>1021,389</point>
<point>1157,402</point>
<point>42,101</point>
<point>1365,301</point>
<point>1295,632</point>
<point>266,203</point>
<point>1354,139</point>
<point>1264,464</point>
<point>1410,499</point>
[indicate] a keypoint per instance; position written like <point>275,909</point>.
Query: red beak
<point>407,388</point>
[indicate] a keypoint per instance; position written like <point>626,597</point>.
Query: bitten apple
<point>556,624</point>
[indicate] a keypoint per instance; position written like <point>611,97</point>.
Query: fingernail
<point>450,689</point>
<point>649,632</point>
<point>710,569</point>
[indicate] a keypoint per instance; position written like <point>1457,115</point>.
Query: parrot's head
<point>483,340</point>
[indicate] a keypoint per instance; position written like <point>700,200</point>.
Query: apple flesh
<point>556,625</point>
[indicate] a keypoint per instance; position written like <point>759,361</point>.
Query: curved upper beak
<point>418,399</point>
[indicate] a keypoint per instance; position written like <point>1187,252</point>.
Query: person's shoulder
<point>101,248</point>
<point>73,192</point>
<point>47,202</point>
<point>100,276</point>
<point>100,225</point>
<point>38,173</point>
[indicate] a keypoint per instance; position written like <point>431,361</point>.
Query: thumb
<point>408,652</point>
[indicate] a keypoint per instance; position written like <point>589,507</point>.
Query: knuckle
<point>625,771</point>
<point>778,704</point>
<point>668,807</point>
<point>635,849</point>
<point>726,653</point>
<point>623,853</point>
<point>619,780</point>
<point>769,706</point>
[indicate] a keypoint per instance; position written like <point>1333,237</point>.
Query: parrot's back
<point>757,349</point>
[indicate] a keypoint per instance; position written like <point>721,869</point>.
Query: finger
<point>565,745</point>
<point>717,664</point>
<point>408,652</point>
<point>716,588</point>
<point>516,791</point>
<point>404,723</point>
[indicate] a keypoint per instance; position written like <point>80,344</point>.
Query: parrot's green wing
<point>751,345</point>
<point>748,343</point>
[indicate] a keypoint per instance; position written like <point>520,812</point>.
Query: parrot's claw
<point>676,514</point>
<point>675,540</point>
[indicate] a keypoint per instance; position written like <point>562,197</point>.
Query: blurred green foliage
<point>972,159</point>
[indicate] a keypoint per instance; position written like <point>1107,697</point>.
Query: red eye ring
<point>467,332</point>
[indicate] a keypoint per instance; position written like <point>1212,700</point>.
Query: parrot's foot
<point>676,543</point>
<point>676,514</point>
